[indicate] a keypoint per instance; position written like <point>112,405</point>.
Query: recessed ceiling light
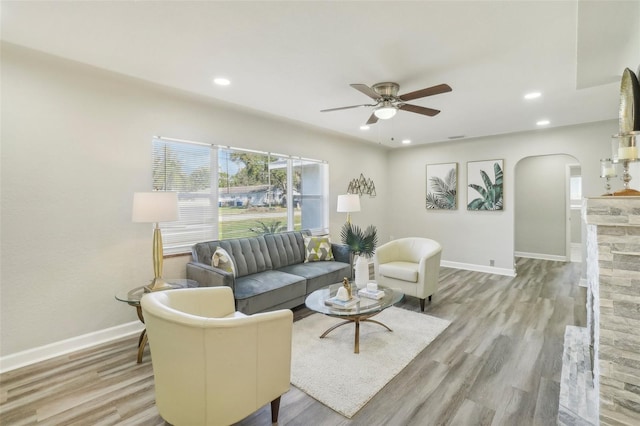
<point>365,127</point>
<point>221,81</point>
<point>543,122</point>
<point>532,95</point>
<point>406,141</point>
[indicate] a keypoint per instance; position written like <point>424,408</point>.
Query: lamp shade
<point>349,203</point>
<point>154,207</point>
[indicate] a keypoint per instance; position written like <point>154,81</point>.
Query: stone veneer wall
<point>613,273</point>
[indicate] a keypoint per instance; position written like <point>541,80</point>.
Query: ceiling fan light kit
<point>385,111</point>
<point>388,102</point>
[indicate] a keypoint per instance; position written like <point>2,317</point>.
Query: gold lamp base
<point>158,284</point>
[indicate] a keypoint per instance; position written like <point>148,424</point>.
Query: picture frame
<point>485,185</point>
<point>442,186</point>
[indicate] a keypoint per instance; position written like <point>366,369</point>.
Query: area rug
<point>328,370</point>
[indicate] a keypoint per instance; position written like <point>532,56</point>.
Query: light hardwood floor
<point>499,363</point>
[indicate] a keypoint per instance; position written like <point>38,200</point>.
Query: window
<point>226,192</point>
<point>575,186</point>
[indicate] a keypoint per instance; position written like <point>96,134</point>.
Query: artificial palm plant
<point>361,243</point>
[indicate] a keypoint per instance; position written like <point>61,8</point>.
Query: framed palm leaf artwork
<point>442,186</point>
<point>484,185</point>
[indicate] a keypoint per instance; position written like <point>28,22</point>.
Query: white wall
<point>471,238</point>
<point>76,145</point>
<point>541,205</point>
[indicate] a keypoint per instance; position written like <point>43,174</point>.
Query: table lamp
<point>348,203</point>
<point>155,207</point>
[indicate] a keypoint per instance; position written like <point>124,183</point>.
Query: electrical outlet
<point>492,262</point>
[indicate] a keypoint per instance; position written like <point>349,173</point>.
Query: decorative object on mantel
<point>624,144</point>
<point>362,186</point>
<point>627,153</point>
<point>362,244</point>
<point>607,171</point>
<point>629,116</point>
<point>155,207</point>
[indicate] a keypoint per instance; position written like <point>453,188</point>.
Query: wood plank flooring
<point>498,363</point>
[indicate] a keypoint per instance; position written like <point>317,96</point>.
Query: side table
<point>133,296</point>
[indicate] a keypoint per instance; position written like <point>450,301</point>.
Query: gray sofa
<point>271,272</point>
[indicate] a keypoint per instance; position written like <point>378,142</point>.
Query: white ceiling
<point>293,59</point>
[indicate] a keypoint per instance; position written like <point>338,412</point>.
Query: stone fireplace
<point>613,306</point>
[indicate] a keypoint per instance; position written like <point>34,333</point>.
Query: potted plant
<point>362,244</point>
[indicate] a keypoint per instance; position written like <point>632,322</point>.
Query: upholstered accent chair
<point>213,365</point>
<point>410,265</point>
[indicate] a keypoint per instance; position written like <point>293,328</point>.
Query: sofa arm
<point>341,253</point>
<point>207,276</point>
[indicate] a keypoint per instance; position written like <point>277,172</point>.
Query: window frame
<point>211,229</point>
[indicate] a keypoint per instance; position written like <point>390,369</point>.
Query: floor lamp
<point>348,203</point>
<point>155,207</point>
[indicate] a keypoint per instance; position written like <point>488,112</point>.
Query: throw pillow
<point>222,260</point>
<point>317,248</point>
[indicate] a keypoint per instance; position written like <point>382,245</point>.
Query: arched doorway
<point>546,225</point>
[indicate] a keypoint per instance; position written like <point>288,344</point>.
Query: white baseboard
<point>42,353</point>
<point>478,268</point>
<point>542,256</point>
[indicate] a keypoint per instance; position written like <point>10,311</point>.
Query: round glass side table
<point>133,296</point>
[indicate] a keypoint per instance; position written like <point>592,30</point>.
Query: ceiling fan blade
<point>429,91</point>
<point>346,107</point>
<point>372,120</point>
<point>366,90</point>
<point>419,110</point>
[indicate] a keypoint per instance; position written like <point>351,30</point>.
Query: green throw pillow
<point>317,248</point>
<point>222,260</point>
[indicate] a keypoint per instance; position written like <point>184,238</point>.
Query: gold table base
<point>357,319</point>
<point>142,340</point>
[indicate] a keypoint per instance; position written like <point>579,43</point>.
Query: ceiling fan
<point>388,102</point>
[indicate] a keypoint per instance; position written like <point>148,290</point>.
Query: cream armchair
<point>410,265</point>
<point>212,365</point>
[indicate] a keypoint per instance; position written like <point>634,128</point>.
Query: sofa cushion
<point>259,292</point>
<point>319,274</point>
<point>405,271</point>
<point>285,248</point>
<point>222,260</point>
<point>317,248</point>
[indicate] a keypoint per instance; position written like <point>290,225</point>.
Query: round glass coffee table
<point>133,296</point>
<point>360,312</point>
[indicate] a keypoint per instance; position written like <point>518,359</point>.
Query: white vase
<point>362,272</point>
